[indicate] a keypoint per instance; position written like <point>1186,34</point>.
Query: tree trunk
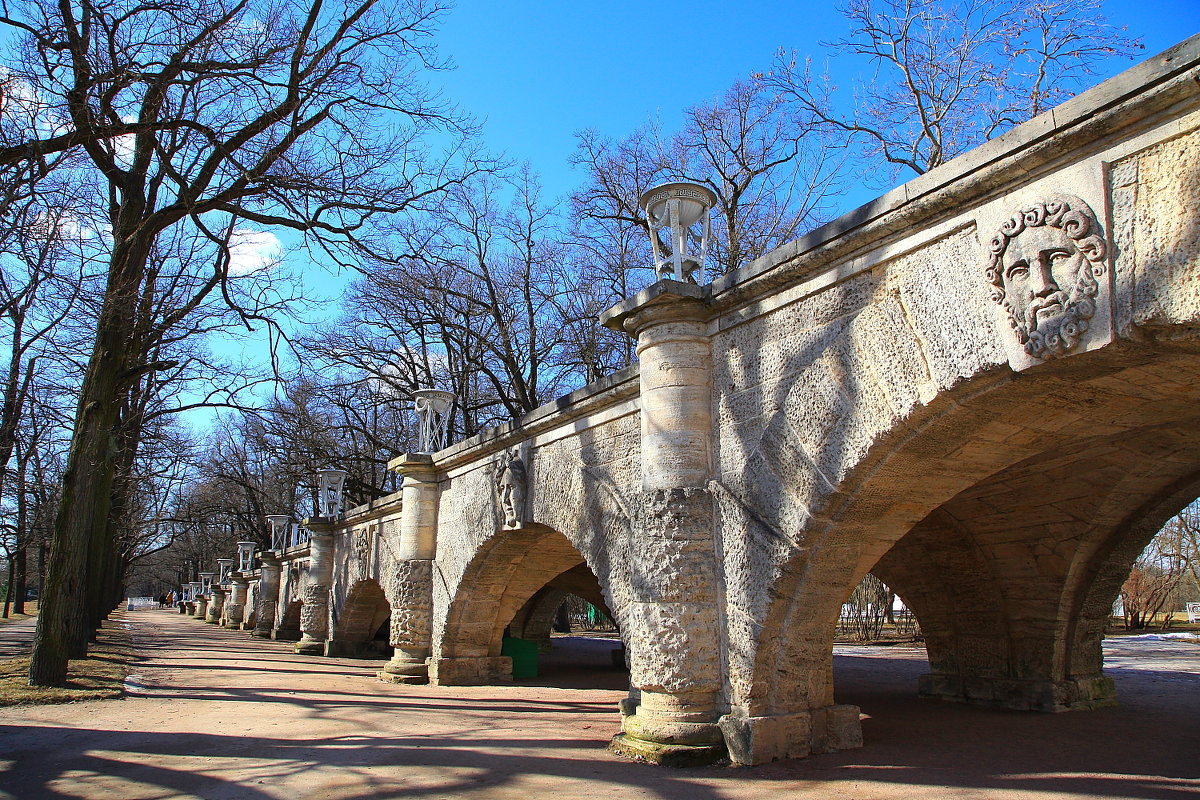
<point>81,522</point>
<point>20,578</point>
<point>8,586</point>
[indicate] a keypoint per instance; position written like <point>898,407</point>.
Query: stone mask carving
<point>1044,264</point>
<point>511,487</point>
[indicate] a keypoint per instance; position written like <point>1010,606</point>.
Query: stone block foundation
<point>758,740</point>
<point>476,671</point>
<point>1075,694</point>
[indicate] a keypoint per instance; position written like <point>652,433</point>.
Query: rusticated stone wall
<point>984,386</point>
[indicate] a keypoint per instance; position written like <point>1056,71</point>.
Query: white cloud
<point>252,251</point>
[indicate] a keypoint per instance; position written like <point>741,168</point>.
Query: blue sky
<point>537,72</point>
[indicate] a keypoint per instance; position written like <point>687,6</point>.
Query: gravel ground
<point>217,714</point>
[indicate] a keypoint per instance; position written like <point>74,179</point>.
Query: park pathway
<point>217,714</point>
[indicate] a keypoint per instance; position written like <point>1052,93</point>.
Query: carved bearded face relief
<point>1044,264</point>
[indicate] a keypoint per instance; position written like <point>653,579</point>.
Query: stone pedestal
<point>314,616</point>
<point>268,595</point>
<point>216,606</point>
<point>235,606</point>
<point>201,608</point>
<point>675,660</point>
<point>410,587</point>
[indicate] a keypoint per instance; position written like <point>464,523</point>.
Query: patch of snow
<point>1161,637</point>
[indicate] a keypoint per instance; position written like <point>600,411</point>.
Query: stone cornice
<point>1118,109</point>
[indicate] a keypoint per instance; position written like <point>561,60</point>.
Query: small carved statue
<point>1044,264</point>
<point>363,545</point>
<point>511,486</point>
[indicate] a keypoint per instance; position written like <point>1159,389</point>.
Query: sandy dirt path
<point>217,714</point>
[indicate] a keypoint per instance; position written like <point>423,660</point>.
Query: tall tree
<point>208,119</point>
<point>480,306</point>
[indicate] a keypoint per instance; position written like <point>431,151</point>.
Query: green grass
<point>99,676</point>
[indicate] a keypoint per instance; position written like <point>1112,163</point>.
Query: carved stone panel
<point>512,483</point>
<point>1047,265</point>
<point>364,548</point>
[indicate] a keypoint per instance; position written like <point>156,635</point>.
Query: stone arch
<point>360,617</point>
<point>535,620</point>
<point>288,628</point>
<point>1039,487</point>
<point>536,617</point>
<point>506,572</point>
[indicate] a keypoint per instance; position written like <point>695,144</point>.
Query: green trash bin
<point>524,655</point>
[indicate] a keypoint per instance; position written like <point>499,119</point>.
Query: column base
<point>667,755</point>
<point>758,740</point>
<point>409,672</point>
<point>477,671</point>
<point>286,634</point>
<point>308,646</point>
<point>684,719</point>
<point>261,633</point>
<point>1075,694</point>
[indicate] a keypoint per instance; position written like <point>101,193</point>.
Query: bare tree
<point>482,307</point>
<point>1155,578</point>
<point>943,76</point>
<point>1180,538</point>
<point>773,174</point>
<point>246,113</point>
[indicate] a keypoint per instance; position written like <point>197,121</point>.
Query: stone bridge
<point>983,387</point>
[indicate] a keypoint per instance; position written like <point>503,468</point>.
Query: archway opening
<point>500,626</point>
<point>288,629</point>
<point>362,615</point>
<point>1006,513</point>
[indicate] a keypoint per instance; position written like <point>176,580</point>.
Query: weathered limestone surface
<point>235,605</point>
<point>268,595</point>
<point>984,387</point>
<point>314,613</point>
<point>214,607</point>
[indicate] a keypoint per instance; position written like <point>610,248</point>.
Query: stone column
<point>268,595</point>
<point>411,589</point>
<point>201,607</point>
<point>216,605</point>
<point>675,656</point>
<point>314,616</point>
<point>235,606</point>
